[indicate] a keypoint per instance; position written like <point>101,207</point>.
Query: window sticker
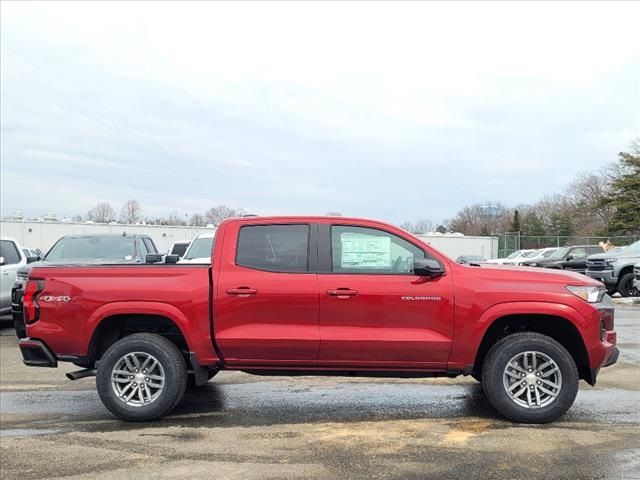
<point>365,251</point>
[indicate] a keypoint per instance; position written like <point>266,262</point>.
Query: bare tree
<point>478,218</point>
<point>102,213</point>
<point>334,214</point>
<point>215,215</point>
<point>131,212</point>
<point>175,219</point>
<point>407,227</point>
<point>77,218</point>
<point>423,226</point>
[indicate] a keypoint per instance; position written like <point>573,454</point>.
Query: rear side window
<point>9,251</point>
<point>275,248</point>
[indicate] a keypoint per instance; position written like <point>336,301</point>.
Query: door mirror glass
<point>425,267</point>
<point>569,258</point>
<point>32,259</point>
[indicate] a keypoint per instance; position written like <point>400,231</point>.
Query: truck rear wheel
<point>141,377</point>
<point>530,378</point>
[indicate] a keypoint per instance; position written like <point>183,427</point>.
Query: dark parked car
<point>108,248</point>
<point>463,259</point>
<point>567,258</point>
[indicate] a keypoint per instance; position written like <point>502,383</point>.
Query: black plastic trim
<point>35,353</point>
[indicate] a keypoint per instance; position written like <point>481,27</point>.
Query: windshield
<point>530,254</point>
<point>92,248</point>
<point>633,248</point>
<point>515,254</point>
<point>560,253</point>
<point>199,248</point>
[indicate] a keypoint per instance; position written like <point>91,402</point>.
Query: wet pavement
<point>247,427</point>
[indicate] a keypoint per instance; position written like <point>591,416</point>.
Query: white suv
<point>11,259</point>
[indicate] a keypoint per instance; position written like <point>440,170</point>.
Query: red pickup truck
<point>320,296</point>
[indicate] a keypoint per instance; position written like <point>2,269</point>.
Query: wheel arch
<point>113,321</point>
<point>555,325</point>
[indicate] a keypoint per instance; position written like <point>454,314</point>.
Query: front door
<point>576,260</point>
<point>374,312</point>
<point>266,311</point>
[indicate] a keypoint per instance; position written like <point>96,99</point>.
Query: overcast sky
<point>393,111</point>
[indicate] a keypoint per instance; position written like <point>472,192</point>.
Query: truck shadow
<point>280,402</point>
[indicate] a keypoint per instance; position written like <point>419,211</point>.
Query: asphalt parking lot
<point>246,427</point>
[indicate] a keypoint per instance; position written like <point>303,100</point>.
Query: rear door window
<point>275,248</point>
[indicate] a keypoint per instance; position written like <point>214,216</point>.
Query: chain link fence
<point>509,242</point>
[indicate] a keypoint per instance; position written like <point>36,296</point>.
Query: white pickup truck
<point>11,259</point>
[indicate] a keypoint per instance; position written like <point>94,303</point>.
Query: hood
<point>511,273</point>
<point>544,261</point>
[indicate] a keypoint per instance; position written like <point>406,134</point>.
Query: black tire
<point>611,291</point>
<point>170,359</point>
<point>625,286</point>
<point>493,370</point>
<point>477,377</point>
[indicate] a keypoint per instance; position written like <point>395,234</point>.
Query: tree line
<point>131,213</point>
<point>605,202</point>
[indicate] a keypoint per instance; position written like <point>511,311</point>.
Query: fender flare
<point>137,308</point>
<point>468,340</point>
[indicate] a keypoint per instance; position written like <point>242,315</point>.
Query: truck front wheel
<point>530,378</point>
<point>625,286</point>
<point>141,377</point>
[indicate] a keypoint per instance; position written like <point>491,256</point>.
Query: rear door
<point>374,311</point>
<point>266,310</point>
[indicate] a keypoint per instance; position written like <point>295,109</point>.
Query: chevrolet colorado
<point>320,296</point>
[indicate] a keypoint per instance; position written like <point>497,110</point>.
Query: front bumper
<point>605,276</point>
<point>35,353</point>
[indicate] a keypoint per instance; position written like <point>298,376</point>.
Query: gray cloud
<point>83,121</point>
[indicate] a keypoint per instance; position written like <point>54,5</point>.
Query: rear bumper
<point>35,353</point>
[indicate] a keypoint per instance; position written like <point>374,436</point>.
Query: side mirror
<point>153,258</point>
<point>171,258</point>
<point>2,261</point>
<point>427,268</point>
<point>569,258</point>
<point>33,259</point>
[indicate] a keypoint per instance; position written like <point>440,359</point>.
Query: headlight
<point>588,293</point>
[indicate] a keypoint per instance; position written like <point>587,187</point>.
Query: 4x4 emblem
<point>52,298</point>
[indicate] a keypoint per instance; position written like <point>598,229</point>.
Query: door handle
<point>342,292</point>
<point>242,291</point>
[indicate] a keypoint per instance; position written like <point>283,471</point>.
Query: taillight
<point>30,304</point>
